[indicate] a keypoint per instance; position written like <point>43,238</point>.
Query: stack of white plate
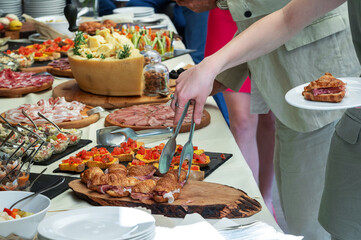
<point>116,223</point>
<point>11,6</point>
<point>39,8</point>
<point>138,12</point>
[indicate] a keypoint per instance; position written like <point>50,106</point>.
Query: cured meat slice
<point>10,79</point>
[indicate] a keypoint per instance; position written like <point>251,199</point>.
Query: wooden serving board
<point>206,119</point>
<point>210,200</point>
<point>58,72</point>
<point>71,124</point>
<point>19,92</point>
<point>71,92</point>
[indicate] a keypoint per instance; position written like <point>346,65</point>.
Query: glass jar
<point>150,54</point>
<point>156,78</point>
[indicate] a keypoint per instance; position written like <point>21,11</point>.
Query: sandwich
<point>143,191</point>
<point>325,89</point>
<point>141,172</point>
<point>168,187</point>
<point>124,188</point>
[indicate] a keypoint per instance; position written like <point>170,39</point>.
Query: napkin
<point>194,226</point>
<point>256,231</point>
<point>46,32</point>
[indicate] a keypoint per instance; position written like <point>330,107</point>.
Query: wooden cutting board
<point>210,200</point>
<point>58,72</point>
<point>71,91</point>
<point>72,124</point>
<point>206,119</point>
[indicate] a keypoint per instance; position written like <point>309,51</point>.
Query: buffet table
<point>216,137</point>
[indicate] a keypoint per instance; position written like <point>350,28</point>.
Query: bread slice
<point>333,97</point>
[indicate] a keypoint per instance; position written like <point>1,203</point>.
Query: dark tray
<point>69,150</point>
<point>45,180</point>
<point>216,162</point>
<point>17,45</point>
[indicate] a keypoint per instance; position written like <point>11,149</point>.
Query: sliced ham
<point>318,91</point>
<point>10,79</point>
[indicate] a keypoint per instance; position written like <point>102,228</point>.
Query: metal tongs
<point>169,148</point>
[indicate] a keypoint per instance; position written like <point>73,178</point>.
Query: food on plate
<point>103,161</point>
<point>107,64</point>
<point>60,67</point>
<point>73,134</point>
<point>45,152</point>
<point>14,61</point>
<point>57,110</point>
<point>19,83</point>
<point>146,115</point>
<point>46,51</point>
<point>325,89</point>
<point>13,214</point>
<point>125,152</point>
<point>72,164</point>
<point>16,178</point>
<point>59,141</point>
<point>117,168</point>
<point>161,41</point>
<point>91,27</point>
<point>148,155</point>
<point>169,186</point>
<point>90,173</point>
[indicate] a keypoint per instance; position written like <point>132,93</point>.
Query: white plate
<point>137,11</point>
<point>98,223</point>
<point>352,97</point>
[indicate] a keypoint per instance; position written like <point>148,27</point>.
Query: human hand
<point>196,83</point>
<point>198,5</point>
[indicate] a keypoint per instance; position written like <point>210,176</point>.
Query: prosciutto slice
<point>10,79</point>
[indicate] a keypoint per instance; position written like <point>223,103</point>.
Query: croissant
<point>90,173</point>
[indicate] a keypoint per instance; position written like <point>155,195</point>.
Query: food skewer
<point>31,120</point>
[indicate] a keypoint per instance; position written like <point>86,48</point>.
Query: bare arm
<point>259,39</point>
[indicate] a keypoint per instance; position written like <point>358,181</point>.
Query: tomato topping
<point>223,157</point>
<point>58,39</point>
<point>73,160</point>
<point>38,54</point>
<point>61,136</point>
<point>141,150</point>
<point>137,162</point>
<point>73,138</point>
<point>48,42</point>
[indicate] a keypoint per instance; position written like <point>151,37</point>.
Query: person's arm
<point>259,39</point>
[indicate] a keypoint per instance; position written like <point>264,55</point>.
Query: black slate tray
<point>45,180</point>
<point>17,45</point>
<point>216,161</point>
<point>69,150</point>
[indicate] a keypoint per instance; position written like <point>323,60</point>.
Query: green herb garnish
<point>89,55</point>
<point>125,53</point>
<point>79,40</point>
<point>102,56</point>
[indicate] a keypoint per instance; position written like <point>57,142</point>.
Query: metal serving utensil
<point>187,151</point>
<point>28,117</point>
<point>169,148</point>
<point>94,110</point>
<point>47,119</point>
<point>47,188</point>
<point>112,136</point>
<point>11,126</point>
<point>7,138</point>
<point>31,132</point>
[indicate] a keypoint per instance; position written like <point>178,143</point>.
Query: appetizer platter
<point>17,84</point>
<point>60,67</point>
<point>352,96</point>
<point>152,116</point>
<point>64,114</point>
<point>168,195</point>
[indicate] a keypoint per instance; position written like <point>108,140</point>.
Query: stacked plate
<point>10,6</point>
<point>39,8</point>
<point>138,12</point>
<point>116,223</point>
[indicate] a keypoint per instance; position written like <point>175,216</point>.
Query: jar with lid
<point>150,54</point>
<point>156,77</point>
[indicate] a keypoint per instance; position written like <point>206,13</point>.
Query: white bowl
<point>59,23</point>
<point>24,227</point>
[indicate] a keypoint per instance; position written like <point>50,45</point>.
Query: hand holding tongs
<point>169,148</point>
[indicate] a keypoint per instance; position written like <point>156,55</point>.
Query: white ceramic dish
<point>114,223</point>
<point>352,98</point>
<point>59,23</point>
<point>137,11</point>
<point>24,227</point>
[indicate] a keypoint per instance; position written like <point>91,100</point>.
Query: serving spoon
<point>47,188</point>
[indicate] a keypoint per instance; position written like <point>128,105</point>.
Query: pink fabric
<point>221,29</point>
